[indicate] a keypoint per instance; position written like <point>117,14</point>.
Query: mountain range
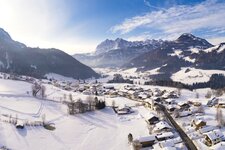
<point>16,57</point>
<point>115,53</point>
<point>185,51</point>
<point>168,56</point>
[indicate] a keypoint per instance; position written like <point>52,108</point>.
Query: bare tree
<point>218,92</point>
<point>43,91</point>
<point>197,95</point>
<point>113,103</point>
<point>208,94</point>
<point>219,117</point>
<point>16,119</point>
<point>10,118</point>
<point>157,109</point>
<point>90,100</point>
<point>70,97</point>
<point>35,89</point>
<point>130,138</point>
<point>64,97</point>
<point>217,113</point>
<point>80,106</point>
<point>71,109</point>
<point>43,117</point>
<point>179,88</point>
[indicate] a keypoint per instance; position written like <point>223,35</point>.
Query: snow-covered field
<point>101,129</point>
<point>93,130</point>
<point>14,87</point>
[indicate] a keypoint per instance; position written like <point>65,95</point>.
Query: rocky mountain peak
<point>187,37</point>
<point>4,35</point>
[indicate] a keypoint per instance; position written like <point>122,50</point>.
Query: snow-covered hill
<point>17,58</point>
<point>193,75</point>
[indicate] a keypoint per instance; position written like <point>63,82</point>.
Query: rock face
<point>115,53</point>
<point>17,58</point>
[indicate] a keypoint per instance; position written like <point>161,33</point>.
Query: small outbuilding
<point>198,124</point>
<point>147,141</point>
<point>161,126</point>
<point>124,110</point>
<point>164,136</point>
<point>19,124</point>
<point>151,119</point>
<point>211,139</point>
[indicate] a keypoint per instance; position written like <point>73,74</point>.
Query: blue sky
<point>77,26</point>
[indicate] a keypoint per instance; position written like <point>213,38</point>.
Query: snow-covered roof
<point>182,103</point>
<point>193,108</point>
<point>148,100</point>
<point>214,134</point>
<point>206,129</point>
<point>162,125</point>
<point>221,101</point>
<point>147,138</point>
<point>165,134</point>
<point>171,106</point>
<point>131,92</point>
<point>167,143</point>
<point>184,113</point>
<point>169,100</point>
<point>108,86</point>
<point>143,95</point>
<point>169,148</point>
<point>149,116</point>
<point>19,123</point>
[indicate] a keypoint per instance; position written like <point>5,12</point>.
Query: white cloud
<point>216,40</point>
<point>147,3</point>
<point>41,23</point>
<point>178,19</point>
<point>142,37</point>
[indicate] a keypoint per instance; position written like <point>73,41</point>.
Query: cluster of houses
<point>209,135</point>
<point>141,94</point>
<point>162,135</point>
<point>216,102</point>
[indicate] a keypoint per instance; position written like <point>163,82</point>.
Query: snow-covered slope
<point>192,75</point>
<point>93,130</point>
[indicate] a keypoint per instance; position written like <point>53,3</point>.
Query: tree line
<point>118,78</point>
<point>78,106</point>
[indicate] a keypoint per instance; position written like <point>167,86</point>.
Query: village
<point>147,117</point>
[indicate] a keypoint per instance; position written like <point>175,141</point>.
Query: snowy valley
<point>44,122</point>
